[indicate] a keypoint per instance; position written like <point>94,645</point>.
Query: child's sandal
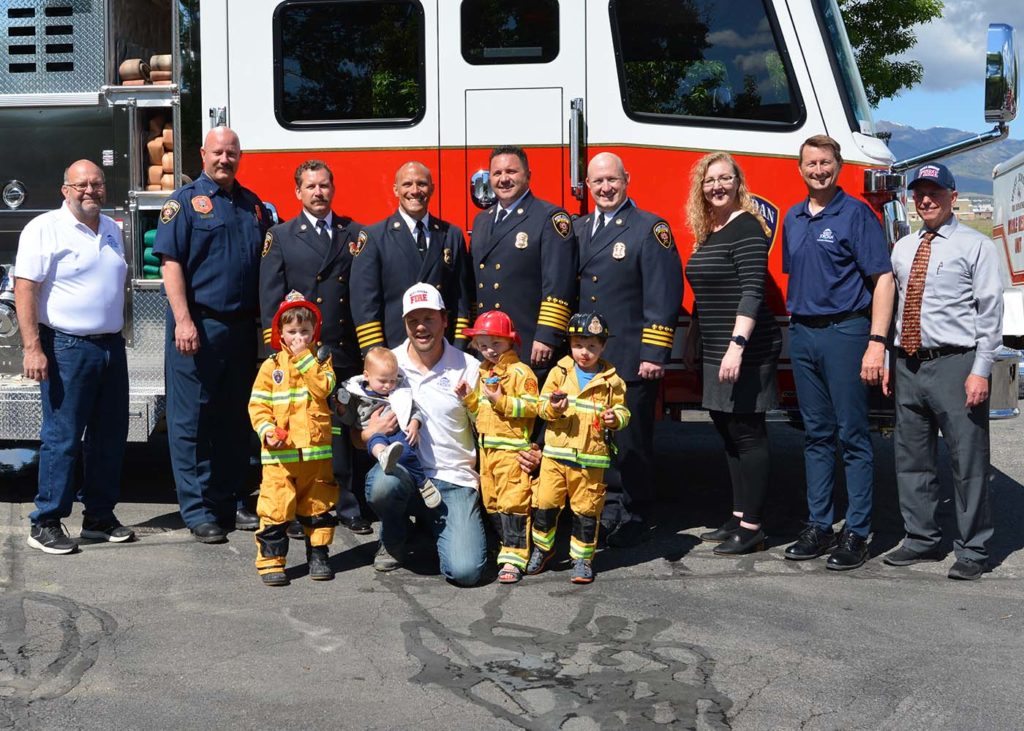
<point>510,574</point>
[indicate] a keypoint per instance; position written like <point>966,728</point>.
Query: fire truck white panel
<point>528,116</point>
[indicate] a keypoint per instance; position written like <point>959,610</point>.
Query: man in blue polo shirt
<point>840,301</point>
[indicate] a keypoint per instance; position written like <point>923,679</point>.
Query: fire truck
<point>367,85</point>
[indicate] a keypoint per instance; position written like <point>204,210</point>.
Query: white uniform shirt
<point>82,274</point>
<point>446,448</point>
<point>411,222</point>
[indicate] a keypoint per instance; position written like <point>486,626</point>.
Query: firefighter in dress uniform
<point>209,237</point>
<point>524,260</point>
<point>407,247</point>
<point>312,254</point>
<point>630,270</point>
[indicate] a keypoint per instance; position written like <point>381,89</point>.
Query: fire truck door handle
<point>577,148</point>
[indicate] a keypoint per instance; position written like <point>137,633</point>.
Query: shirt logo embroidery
<point>827,236</point>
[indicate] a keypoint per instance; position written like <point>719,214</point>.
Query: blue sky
<point>952,51</point>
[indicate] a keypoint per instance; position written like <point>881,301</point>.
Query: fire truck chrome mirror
<point>14,194</point>
<point>480,189</point>
<point>882,181</point>
<point>1001,82</point>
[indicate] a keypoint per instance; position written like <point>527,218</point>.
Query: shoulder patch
<point>531,386</point>
<point>663,234</point>
<point>268,241</point>
<point>562,224</point>
<point>355,247</point>
<point>169,211</point>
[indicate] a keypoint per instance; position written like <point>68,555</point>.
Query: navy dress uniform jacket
<point>526,267</point>
<point>632,274</point>
<point>389,263</point>
<point>295,257</point>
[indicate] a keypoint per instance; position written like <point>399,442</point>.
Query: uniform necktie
<point>502,215</point>
<point>421,239</point>
<point>600,225</point>
<point>910,330</point>
<point>322,232</point>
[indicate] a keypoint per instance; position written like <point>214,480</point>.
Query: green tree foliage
<point>880,29</point>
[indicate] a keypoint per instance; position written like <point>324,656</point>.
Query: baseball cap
<point>933,172</point>
<point>421,296</point>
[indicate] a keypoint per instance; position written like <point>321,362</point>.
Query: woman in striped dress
<point>737,336</point>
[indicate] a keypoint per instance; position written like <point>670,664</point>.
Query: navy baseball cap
<point>933,172</point>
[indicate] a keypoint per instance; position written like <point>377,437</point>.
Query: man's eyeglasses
<point>82,187</point>
<point>720,180</point>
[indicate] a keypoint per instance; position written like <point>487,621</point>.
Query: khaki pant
<point>303,490</point>
<point>505,490</point>
<point>585,489</point>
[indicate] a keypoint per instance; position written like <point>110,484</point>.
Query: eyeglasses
<point>82,187</point>
<point>720,180</point>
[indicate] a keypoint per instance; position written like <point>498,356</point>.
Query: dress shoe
<point>741,542</point>
<point>904,556</point>
<point>966,569</point>
<point>358,525</point>
<point>319,568</point>
<point>811,543</point>
<point>722,532</point>
<point>626,534</point>
<point>851,552</point>
<point>246,520</point>
<point>209,533</point>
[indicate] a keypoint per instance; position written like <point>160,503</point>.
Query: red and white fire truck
<point>369,84</point>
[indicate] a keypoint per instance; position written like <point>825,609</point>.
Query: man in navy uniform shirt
<point>209,237</point>
<point>407,247</point>
<point>631,273</point>
<point>840,301</point>
<point>524,260</point>
<point>313,253</point>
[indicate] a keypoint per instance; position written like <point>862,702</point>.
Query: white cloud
<point>952,48</point>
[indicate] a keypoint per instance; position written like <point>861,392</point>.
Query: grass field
<point>984,225</point>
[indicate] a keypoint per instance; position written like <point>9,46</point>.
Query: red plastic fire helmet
<point>494,323</point>
<point>292,300</point>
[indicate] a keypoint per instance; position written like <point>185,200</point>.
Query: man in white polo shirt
<point>432,367</point>
<point>69,294</point>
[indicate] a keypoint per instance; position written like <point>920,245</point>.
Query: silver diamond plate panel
<point>33,30</point>
<point>146,354</point>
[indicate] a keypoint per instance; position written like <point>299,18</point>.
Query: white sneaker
<point>389,457</point>
<point>430,494</point>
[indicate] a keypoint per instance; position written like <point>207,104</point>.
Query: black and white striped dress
<point>728,275</point>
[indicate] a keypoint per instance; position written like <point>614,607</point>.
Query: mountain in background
<point>973,170</point>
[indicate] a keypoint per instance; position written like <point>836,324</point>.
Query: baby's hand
<point>412,434</point>
<point>559,401</point>
<point>462,389</point>
<point>609,418</point>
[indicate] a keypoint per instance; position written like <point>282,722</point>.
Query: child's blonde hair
<point>380,357</point>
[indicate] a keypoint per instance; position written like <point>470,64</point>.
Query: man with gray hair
<point>69,293</point>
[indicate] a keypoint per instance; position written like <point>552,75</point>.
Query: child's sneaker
<point>389,457</point>
<point>582,572</point>
<point>275,578</point>
<point>430,493</point>
<point>538,560</point>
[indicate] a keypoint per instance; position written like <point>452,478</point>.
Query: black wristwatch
<point>739,340</point>
<point>878,339</point>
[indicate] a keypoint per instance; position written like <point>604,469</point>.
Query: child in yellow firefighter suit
<point>288,408</point>
<point>583,401</point>
<point>503,405</point>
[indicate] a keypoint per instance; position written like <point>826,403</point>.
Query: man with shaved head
<point>630,272</point>
<point>209,237</point>
<point>69,293</point>
<point>407,247</point>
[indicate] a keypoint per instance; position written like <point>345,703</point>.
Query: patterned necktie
<point>421,239</point>
<point>910,330</point>
<point>502,215</point>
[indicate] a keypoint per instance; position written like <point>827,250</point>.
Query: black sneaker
<point>904,556</point>
<point>811,543</point>
<point>966,569</point>
<point>106,530</point>
<point>851,552</point>
<point>51,538</point>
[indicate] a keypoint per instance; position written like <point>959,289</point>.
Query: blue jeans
<point>86,393</point>
<point>834,404</point>
<point>457,523</point>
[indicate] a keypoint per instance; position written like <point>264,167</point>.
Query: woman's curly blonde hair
<point>698,210</point>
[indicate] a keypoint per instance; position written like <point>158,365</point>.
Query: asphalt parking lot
<point>165,633</point>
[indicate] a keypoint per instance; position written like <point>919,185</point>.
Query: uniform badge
<point>448,256</point>
<point>277,375</point>
<point>169,211</point>
<point>202,204</point>
<point>619,250</point>
<point>268,241</point>
<point>355,247</point>
<point>663,234</point>
<point>522,240</point>
<point>562,224</point>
